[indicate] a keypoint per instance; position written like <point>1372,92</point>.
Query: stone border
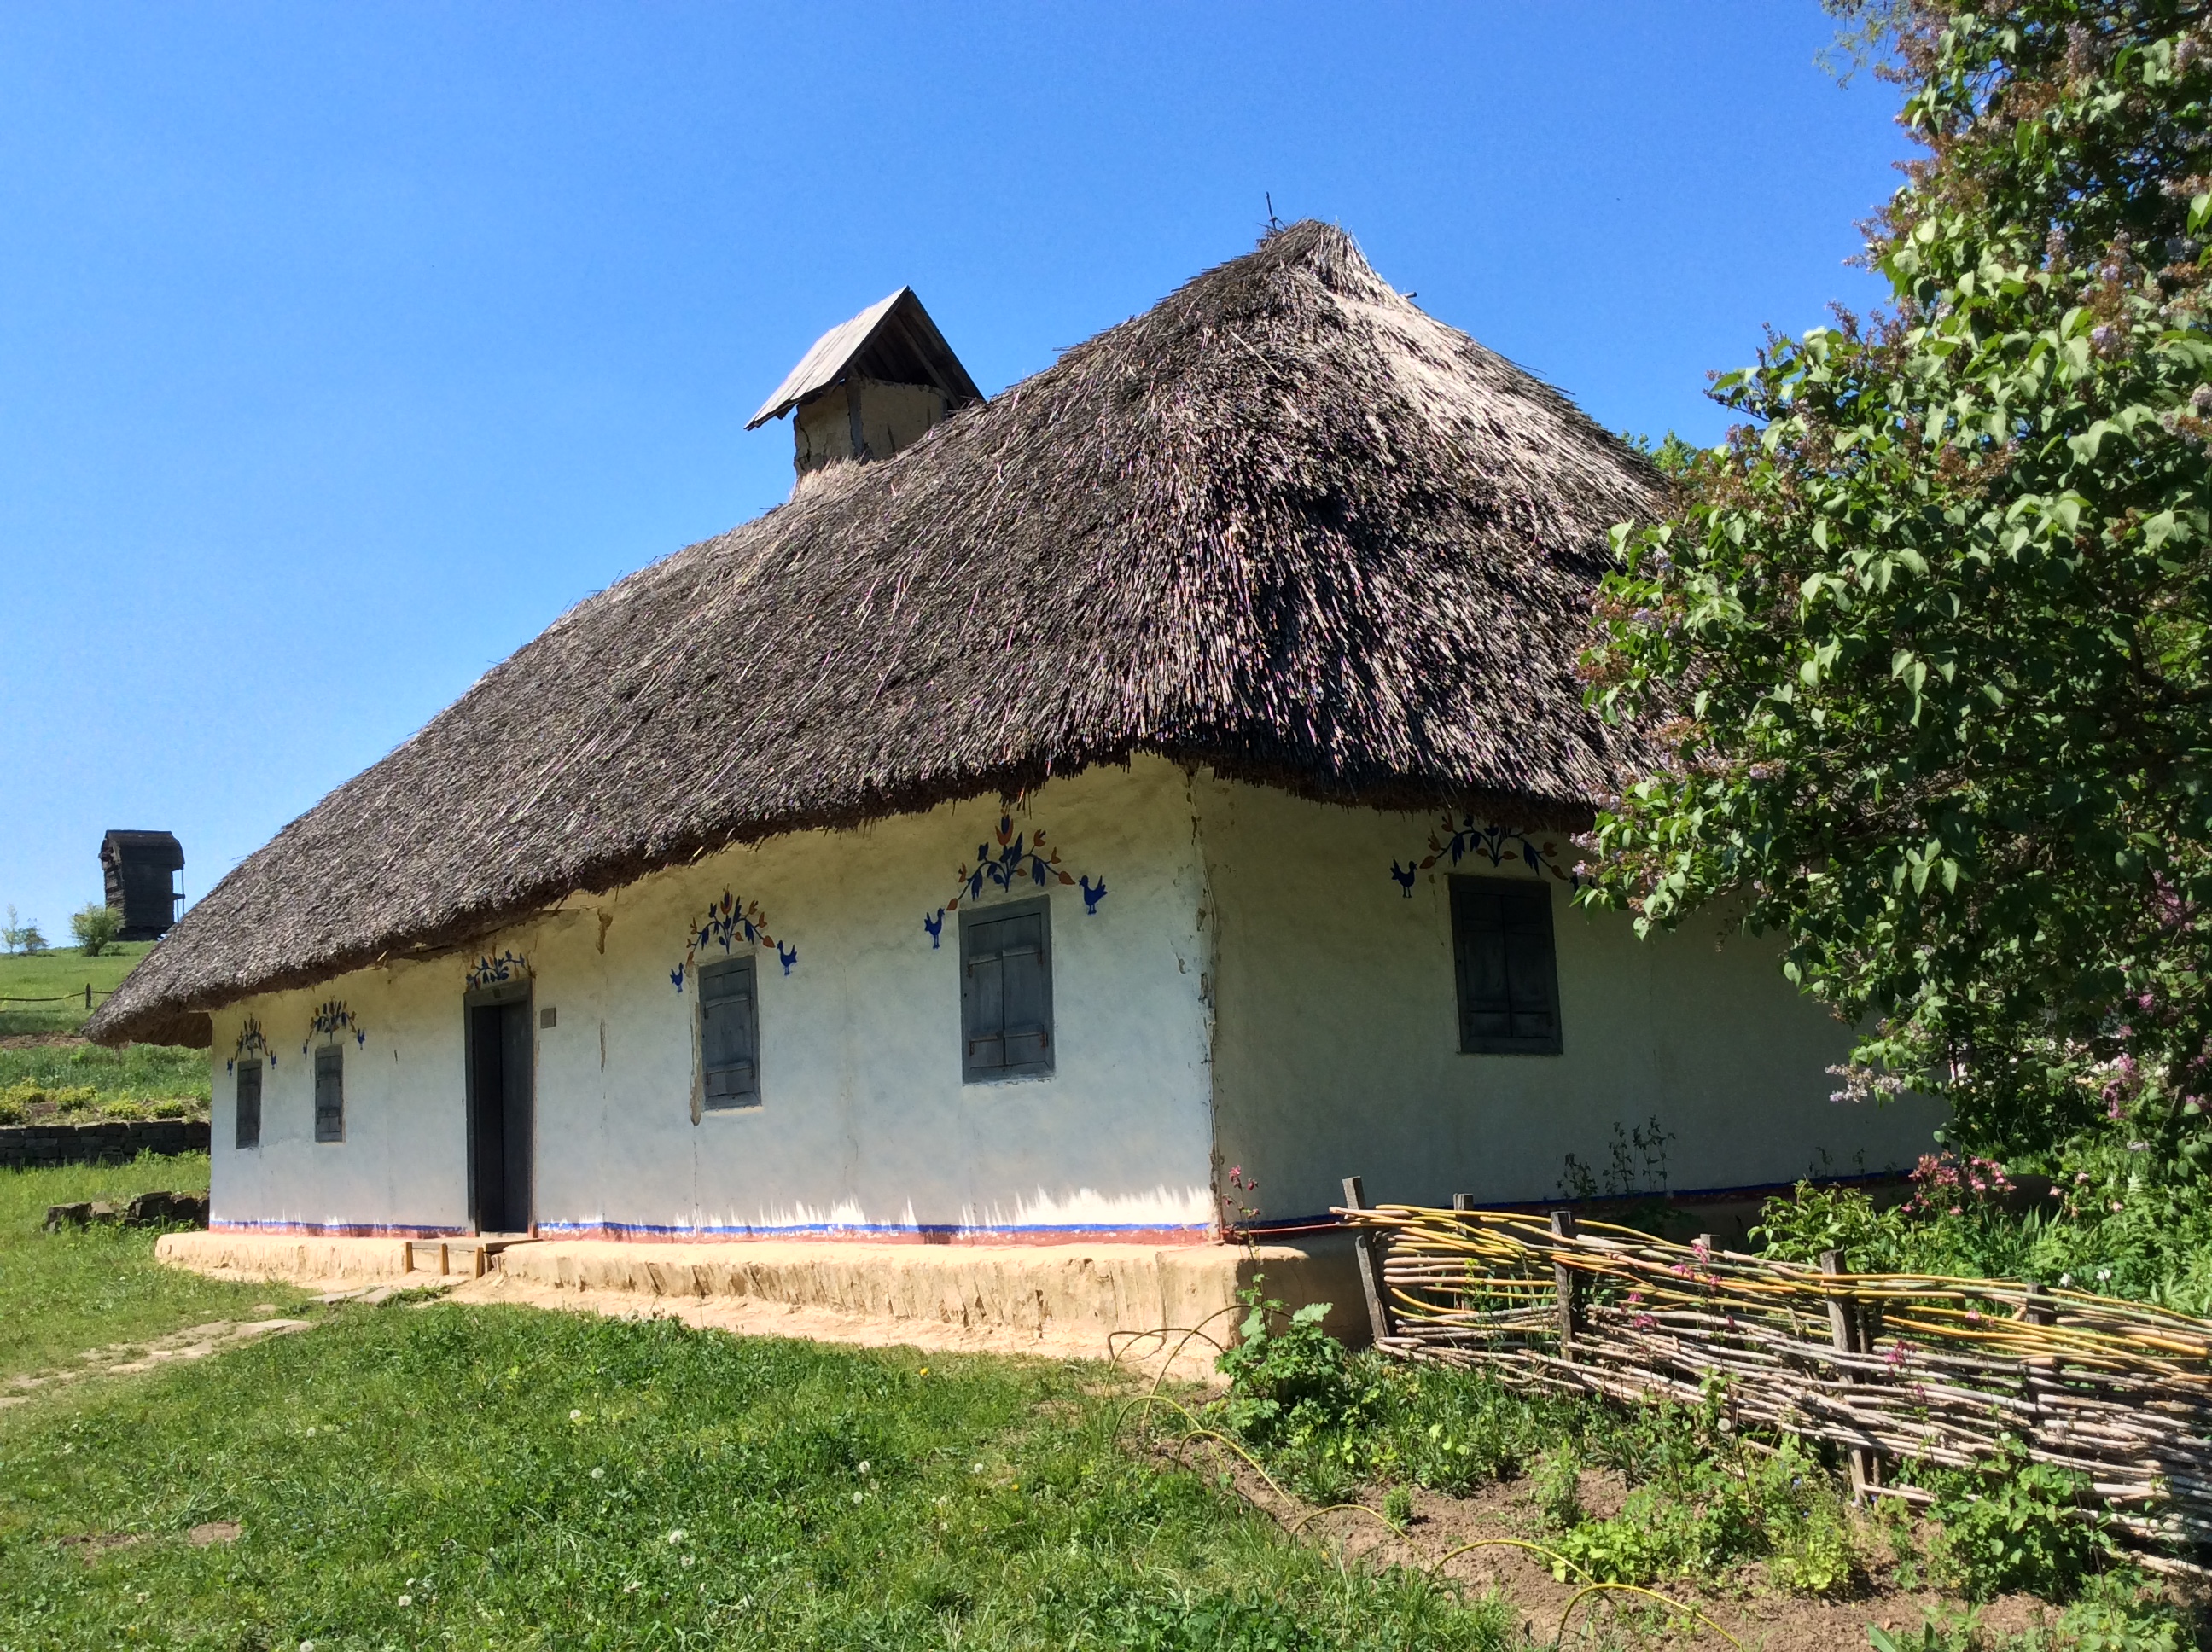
<point>107,1141</point>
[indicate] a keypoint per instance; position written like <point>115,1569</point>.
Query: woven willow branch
<point>1931,1369</point>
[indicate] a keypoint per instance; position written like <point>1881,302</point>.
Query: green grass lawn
<point>146,1073</point>
<point>62,1293</point>
<point>64,973</point>
<point>412,1476</point>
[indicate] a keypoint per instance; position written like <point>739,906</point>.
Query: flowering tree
<point>1925,639</point>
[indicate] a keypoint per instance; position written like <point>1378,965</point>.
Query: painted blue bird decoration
<point>1405,875</point>
<point>1092,895</point>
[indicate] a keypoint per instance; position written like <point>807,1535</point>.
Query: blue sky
<point>343,348</point>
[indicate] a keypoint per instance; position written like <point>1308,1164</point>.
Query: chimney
<point>869,387</point>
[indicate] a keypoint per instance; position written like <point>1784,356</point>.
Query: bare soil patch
<point>1475,1543</point>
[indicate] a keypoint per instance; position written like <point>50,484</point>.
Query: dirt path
<point>116,1358</point>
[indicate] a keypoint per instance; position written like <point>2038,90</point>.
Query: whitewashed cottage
<point>1164,766</point>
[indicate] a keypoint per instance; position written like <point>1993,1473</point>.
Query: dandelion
<point>677,1536</point>
<point>2065,1279</point>
<point>975,1469</point>
<point>924,1370</point>
<point>575,1416</point>
<point>856,1499</point>
<point>2104,1273</point>
<point>598,1473</point>
<point>686,1560</point>
<point>406,1599</point>
<point>864,1465</point>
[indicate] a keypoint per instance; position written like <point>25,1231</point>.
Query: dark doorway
<point>499,1110</point>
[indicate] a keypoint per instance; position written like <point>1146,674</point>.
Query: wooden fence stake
<point>1844,1332</point>
<point>1563,1283</point>
<point>1370,1263</point>
<point>1463,1201</point>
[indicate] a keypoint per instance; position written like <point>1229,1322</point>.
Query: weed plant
<point>500,1477</point>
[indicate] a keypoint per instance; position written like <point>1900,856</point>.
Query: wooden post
<point>1843,1332</point>
<point>1371,1262</point>
<point>1709,1243</point>
<point>1463,1201</point>
<point>88,998</point>
<point>1563,1284</point>
<point>2036,1308</point>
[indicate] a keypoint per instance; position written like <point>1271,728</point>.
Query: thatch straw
<point>1283,523</point>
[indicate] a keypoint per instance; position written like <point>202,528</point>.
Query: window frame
<point>336,1134</point>
<point>1045,1066</point>
<point>1471,1043</point>
<point>241,1141</point>
<point>722,968</point>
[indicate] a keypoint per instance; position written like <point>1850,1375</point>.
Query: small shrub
<point>95,928</point>
<point>1286,1380</point>
<point>176,1107</point>
<point>1798,1227</point>
<point>1557,1485</point>
<point>2117,1613</point>
<point>20,1097</point>
<point>124,1108</point>
<point>1397,1506</point>
<point>1813,1555</point>
<point>2010,1526</point>
<point>1633,1547</point>
<point>11,1110</point>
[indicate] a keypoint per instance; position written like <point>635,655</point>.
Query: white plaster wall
<point>865,1124</point>
<point>402,1164</point>
<point>1337,1032</point>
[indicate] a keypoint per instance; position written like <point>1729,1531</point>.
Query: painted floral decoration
<point>1498,843</point>
<point>250,1043</point>
<point>727,920</point>
<point>1018,859</point>
<point>489,971</point>
<point>331,1018</point>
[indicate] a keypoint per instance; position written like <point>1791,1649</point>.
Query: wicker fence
<point>1886,1367</point>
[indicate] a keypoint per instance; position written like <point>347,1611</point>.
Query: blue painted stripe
<point>382,1230</point>
<point>895,1229</point>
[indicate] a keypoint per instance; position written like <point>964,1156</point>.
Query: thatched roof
<point>1283,523</point>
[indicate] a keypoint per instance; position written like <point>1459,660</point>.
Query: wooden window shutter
<point>1005,991</point>
<point>329,1093</point>
<point>249,1105</point>
<point>729,1033</point>
<point>1507,967</point>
